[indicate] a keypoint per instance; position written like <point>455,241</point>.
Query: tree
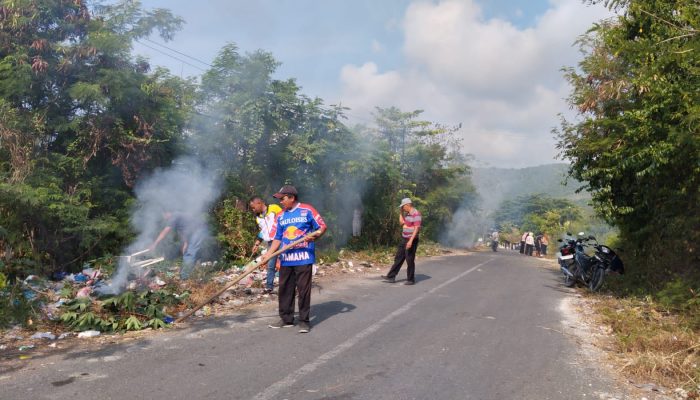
<point>536,213</point>
<point>79,122</point>
<point>636,142</point>
<point>417,159</point>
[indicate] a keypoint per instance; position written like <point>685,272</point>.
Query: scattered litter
<point>88,334</point>
<point>682,393</point>
<point>28,294</point>
<point>64,335</point>
<point>3,347</point>
<point>24,348</point>
<point>44,335</point>
<point>651,387</point>
<point>203,312</point>
<point>53,345</point>
<point>84,292</point>
<point>24,357</point>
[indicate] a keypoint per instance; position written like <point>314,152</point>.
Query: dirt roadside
<point>594,345</point>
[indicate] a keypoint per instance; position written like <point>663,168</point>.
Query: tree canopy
<point>82,121</point>
<point>79,122</point>
<point>635,142</point>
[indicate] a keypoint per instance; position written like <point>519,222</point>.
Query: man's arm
<point>273,248</point>
<point>160,237</point>
<point>413,236</point>
<point>318,224</point>
<point>258,241</point>
<point>316,234</point>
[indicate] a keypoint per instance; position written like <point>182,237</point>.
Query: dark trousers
<point>522,247</point>
<point>295,278</point>
<point>528,249</point>
<point>402,253</point>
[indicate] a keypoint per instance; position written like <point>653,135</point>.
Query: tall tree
<point>636,143</point>
<point>79,122</point>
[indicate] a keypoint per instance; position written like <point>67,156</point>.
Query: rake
<point>250,267</point>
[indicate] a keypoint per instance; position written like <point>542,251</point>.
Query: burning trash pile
<point>136,297</point>
<point>144,292</point>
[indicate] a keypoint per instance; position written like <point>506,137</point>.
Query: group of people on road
<point>529,243</point>
<point>288,232</point>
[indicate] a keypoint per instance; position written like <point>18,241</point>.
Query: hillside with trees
<point>498,184</point>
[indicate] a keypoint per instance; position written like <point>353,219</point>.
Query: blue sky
<point>482,63</point>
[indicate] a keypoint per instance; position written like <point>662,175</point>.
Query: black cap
<point>285,190</point>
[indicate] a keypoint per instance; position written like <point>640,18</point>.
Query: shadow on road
<point>421,277</point>
<point>418,277</point>
<point>555,281</point>
<point>323,311</point>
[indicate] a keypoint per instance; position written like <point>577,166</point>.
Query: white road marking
<point>276,388</point>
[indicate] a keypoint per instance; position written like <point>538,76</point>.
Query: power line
<point>178,52</point>
<point>171,56</point>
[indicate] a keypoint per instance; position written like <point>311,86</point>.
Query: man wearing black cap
<point>297,220</point>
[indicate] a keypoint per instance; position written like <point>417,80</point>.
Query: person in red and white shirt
<point>410,219</point>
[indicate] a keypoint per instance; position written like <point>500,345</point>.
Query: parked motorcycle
<point>566,260</point>
<point>589,270</point>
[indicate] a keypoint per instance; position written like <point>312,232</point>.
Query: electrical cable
<point>178,52</point>
<point>171,56</point>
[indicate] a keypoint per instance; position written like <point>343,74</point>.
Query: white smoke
<point>187,187</point>
<point>466,227</point>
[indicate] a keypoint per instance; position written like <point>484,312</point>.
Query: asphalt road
<point>478,326</point>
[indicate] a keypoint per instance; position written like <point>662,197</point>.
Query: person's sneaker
<point>388,280</point>
<point>304,327</point>
<point>280,324</point>
<point>409,283</point>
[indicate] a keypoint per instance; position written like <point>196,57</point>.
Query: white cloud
<point>502,82</point>
<point>376,46</point>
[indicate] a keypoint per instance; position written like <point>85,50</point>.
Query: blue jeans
<point>189,258</point>
<point>270,284</point>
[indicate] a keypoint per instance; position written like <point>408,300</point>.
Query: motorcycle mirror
<point>591,237</point>
<point>569,233</point>
<point>559,240</point>
<point>582,233</point>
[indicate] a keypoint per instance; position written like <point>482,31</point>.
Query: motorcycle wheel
<point>570,281</point>
<point>596,279</point>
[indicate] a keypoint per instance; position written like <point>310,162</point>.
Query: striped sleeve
<point>317,221</point>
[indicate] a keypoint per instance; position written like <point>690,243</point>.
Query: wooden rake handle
<point>250,268</point>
